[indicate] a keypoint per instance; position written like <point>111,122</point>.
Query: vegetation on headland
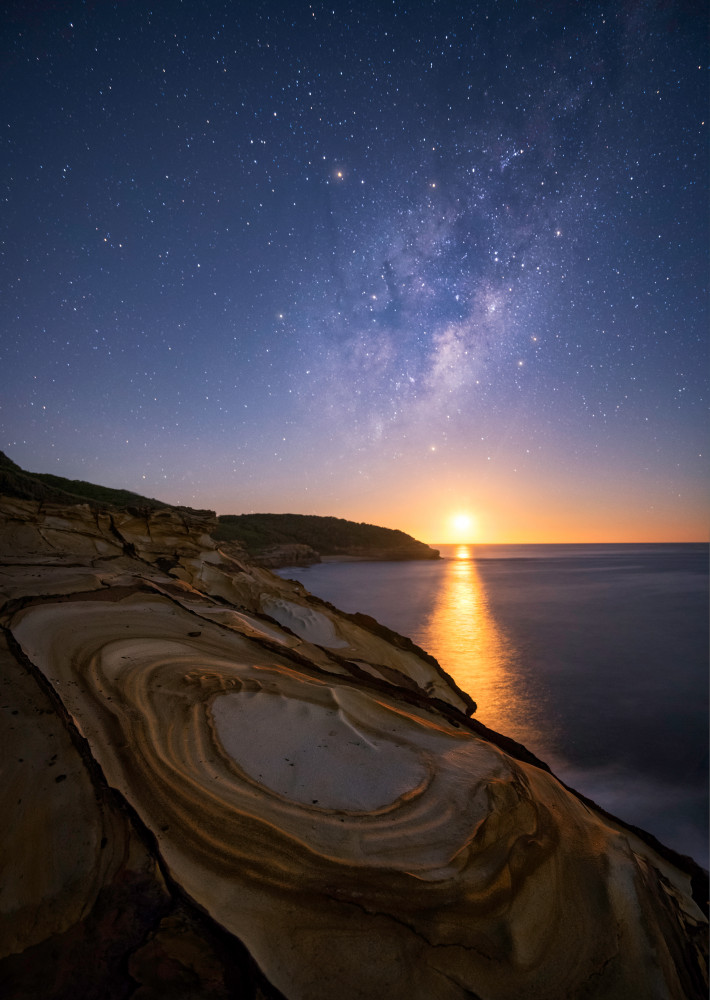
<point>329,536</point>
<point>15,482</point>
<point>262,535</point>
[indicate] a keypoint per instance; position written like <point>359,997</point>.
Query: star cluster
<point>312,257</point>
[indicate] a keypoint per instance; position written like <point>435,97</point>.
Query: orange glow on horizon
<point>505,510</point>
<point>533,518</point>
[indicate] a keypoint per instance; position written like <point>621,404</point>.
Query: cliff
<point>216,785</point>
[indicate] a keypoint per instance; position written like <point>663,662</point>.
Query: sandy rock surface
<point>220,787</point>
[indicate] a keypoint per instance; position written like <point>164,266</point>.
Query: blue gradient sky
<point>389,262</point>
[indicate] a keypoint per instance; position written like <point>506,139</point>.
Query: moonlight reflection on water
<point>462,633</point>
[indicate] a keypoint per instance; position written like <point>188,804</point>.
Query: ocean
<point>595,657</point>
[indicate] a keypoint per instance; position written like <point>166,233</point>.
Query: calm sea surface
<point>593,656</point>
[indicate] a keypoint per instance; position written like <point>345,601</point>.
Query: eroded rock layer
<point>292,802</point>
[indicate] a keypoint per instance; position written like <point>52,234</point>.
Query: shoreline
<point>391,559</point>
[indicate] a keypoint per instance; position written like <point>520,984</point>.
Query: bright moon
<point>463,525</point>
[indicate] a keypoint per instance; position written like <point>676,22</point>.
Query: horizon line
<point>699,541</point>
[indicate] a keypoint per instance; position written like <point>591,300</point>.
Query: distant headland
<point>301,539</point>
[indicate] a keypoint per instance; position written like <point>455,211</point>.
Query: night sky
<point>387,261</point>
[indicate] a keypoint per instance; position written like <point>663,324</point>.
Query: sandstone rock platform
<point>215,785</point>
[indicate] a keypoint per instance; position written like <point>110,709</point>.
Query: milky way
<point>308,256</point>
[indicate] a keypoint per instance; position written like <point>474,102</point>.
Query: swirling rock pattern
<point>319,793</point>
